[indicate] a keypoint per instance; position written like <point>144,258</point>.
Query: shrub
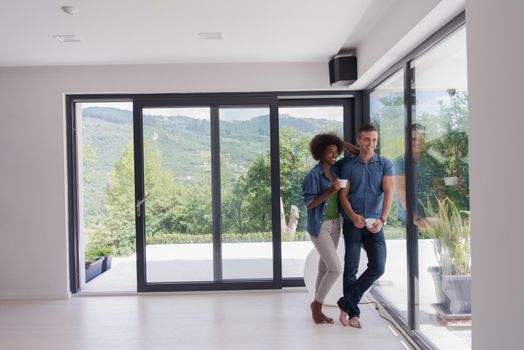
<point>92,254</point>
<point>451,229</point>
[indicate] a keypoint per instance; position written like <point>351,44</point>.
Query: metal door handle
<point>140,202</point>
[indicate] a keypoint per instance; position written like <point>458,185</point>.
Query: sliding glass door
<point>177,204</point>
<point>421,111</point>
<point>387,114</point>
<point>299,122</point>
<point>245,192</point>
<point>206,188</point>
<point>441,165</point>
<point>204,194</point>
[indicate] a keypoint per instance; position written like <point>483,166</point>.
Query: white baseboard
<point>58,296</point>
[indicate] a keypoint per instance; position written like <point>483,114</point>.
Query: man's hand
<point>377,226</point>
<point>358,220</point>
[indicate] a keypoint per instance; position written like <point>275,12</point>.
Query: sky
<point>326,112</point>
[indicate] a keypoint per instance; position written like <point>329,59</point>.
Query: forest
<point>177,170</point>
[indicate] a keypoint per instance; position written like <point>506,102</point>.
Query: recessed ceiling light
<point>210,36</point>
<point>67,38</point>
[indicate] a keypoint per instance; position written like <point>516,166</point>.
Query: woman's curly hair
<point>321,142</point>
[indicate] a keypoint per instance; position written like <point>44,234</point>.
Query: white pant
<point>329,267</point>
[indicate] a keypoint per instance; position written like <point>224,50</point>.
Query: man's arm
<point>400,189</point>
<point>388,186</point>
<point>343,198</point>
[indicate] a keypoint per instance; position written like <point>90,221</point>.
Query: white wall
<point>404,24</point>
<point>33,203</point>
<point>33,192</point>
<point>401,17</point>
<point>495,77</point>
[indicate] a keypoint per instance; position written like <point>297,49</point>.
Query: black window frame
<point>353,115</point>
<point>411,327</point>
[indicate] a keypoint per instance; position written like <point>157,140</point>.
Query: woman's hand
<point>351,148</point>
<point>335,186</point>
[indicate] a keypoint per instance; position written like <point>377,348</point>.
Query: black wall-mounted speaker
<point>342,70</point>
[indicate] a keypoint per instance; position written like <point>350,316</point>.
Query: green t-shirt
<point>332,209</point>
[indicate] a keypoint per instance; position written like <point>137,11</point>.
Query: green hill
<point>183,142</point>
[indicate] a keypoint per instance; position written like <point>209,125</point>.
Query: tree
<point>118,228</point>
<point>192,213</point>
<point>295,162</point>
<point>247,208</point>
<point>452,145</point>
<point>389,120</point>
<point>234,211</point>
<point>92,212</point>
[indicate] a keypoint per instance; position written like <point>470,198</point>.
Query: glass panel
<point>387,114</point>
<point>297,126</point>
<point>245,171</point>
<point>442,193</point>
<point>177,169</point>
<point>106,196</point>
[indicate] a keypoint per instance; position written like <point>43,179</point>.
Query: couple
<point>367,194</point>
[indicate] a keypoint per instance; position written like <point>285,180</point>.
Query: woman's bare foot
<point>327,319</point>
<point>354,322</point>
<point>316,312</point>
<point>343,318</point>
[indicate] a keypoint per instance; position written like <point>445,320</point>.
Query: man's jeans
<point>375,247</point>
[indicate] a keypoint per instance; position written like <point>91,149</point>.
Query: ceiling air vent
<point>67,38</point>
<point>210,36</point>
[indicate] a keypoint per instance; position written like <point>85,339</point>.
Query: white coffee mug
<point>370,222</point>
<point>343,183</point>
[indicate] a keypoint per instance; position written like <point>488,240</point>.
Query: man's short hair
<point>366,128</point>
<point>419,128</point>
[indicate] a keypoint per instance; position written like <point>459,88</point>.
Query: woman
<point>320,188</point>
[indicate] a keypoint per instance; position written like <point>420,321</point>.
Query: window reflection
<point>387,114</point>
<point>440,159</point>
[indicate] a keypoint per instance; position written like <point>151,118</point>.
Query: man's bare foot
<point>343,318</point>
<point>354,322</point>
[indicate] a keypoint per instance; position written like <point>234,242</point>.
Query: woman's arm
<point>335,186</point>
<point>351,148</point>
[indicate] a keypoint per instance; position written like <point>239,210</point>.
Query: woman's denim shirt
<point>316,183</point>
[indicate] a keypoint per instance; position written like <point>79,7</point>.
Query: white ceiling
<point>166,31</point>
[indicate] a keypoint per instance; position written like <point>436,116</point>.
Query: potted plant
<point>105,252</point>
<point>450,228</point>
<point>452,149</point>
<point>97,261</point>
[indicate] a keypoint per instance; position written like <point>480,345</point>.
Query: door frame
<point>353,118</point>
<point>218,282</point>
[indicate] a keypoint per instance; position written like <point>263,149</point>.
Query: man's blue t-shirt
<point>427,170</point>
<point>366,194</point>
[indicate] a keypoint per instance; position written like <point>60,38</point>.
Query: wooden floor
<point>198,320</point>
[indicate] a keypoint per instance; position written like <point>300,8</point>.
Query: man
<point>369,194</point>
<point>428,178</point>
